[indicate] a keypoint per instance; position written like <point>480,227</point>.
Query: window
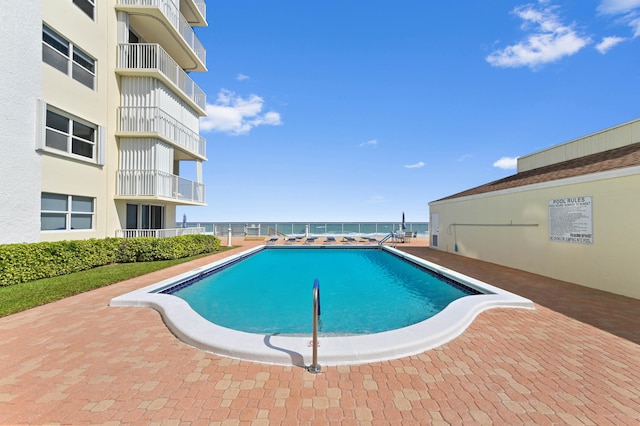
<point>55,50</point>
<point>70,135</point>
<point>65,212</point>
<point>87,6</point>
<point>62,133</point>
<point>68,58</point>
<point>151,217</point>
<point>83,68</point>
<point>132,216</point>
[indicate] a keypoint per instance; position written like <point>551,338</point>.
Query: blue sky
<point>360,110</point>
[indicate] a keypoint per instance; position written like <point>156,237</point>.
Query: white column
<point>123,27</point>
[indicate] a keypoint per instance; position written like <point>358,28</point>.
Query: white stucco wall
<point>511,228</point>
<point>21,85</point>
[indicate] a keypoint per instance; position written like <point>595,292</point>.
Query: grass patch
<point>20,297</point>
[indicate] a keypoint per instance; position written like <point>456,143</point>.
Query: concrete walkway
<point>575,359</point>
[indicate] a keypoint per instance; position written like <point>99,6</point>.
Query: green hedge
<point>21,263</point>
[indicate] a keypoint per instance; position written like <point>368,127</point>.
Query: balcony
<point>160,21</point>
<point>158,233</point>
<point>157,185</point>
<point>154,122</point>
<point>195,12</point>
<point>152,59</point>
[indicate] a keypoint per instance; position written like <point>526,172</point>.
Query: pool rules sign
<point>571,220</point>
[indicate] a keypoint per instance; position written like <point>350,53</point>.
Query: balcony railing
<point>202,7</point>
<point>152,56</point>
<point>155,120</point>
<point>154,183</point>
<point>172,12</point>
<point>158,233</point>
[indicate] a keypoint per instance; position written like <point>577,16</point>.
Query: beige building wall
<point>63,174</point>
<point>93,37</point>
<point>611,138</point>
<point>90,183</point>
<point>511,228</point>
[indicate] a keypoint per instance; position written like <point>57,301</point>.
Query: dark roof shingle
<point>626,156</point>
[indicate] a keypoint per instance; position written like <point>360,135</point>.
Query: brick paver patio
<point>575,359</point>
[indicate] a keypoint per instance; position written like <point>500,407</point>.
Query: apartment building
<point>100,117</point>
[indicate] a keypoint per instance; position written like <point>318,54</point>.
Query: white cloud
<point>608,43</point>
<point>235,115</point>
<point>507,163</point>
<point>626,8</point>
<point>242,77</point>
<point>464,157</point>
<point>635,26</point>
<point>614,7</point>
<point>417,165</point>
<point>372,142</point>
<point>549,40</point>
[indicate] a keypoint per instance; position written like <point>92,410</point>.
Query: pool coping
<point>276,349</point>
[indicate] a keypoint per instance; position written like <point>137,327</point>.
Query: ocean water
<point>315,228</point>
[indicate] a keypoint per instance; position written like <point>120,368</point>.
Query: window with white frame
<point>70,134</point>
<point>87,6</point>
<point>60,212</point>
<point>68,58</point>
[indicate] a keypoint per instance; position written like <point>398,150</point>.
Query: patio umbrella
<point>184,220</point>
<point>403,225</point>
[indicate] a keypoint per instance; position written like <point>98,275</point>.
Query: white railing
<point>158,233</point>
<point>154,183</point>
<point>153,56</point>
<point>202,7</point>
<point>155,120</point>
<point>171,11</point>
<point>194,42</point>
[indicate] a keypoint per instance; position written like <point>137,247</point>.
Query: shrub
<point>21,263</point>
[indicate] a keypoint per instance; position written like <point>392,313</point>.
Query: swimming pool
<point>291,347</point>
<point>363,291</point>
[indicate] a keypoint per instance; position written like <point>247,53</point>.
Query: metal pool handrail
<point>390,235</point>
<point>315,367</point>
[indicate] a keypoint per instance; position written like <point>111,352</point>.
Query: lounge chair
<point>370,239</point>
<point>291,239</point>
<point>350,239</point>
<point>311,239</point>
<point>330,240</point>
<point>271,240</point>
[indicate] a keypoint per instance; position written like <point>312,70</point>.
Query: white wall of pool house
<point>510,227</point>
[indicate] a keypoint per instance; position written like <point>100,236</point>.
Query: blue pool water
<point>362,291</point>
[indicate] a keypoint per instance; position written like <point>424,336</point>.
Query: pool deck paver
<point>575,359</point>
